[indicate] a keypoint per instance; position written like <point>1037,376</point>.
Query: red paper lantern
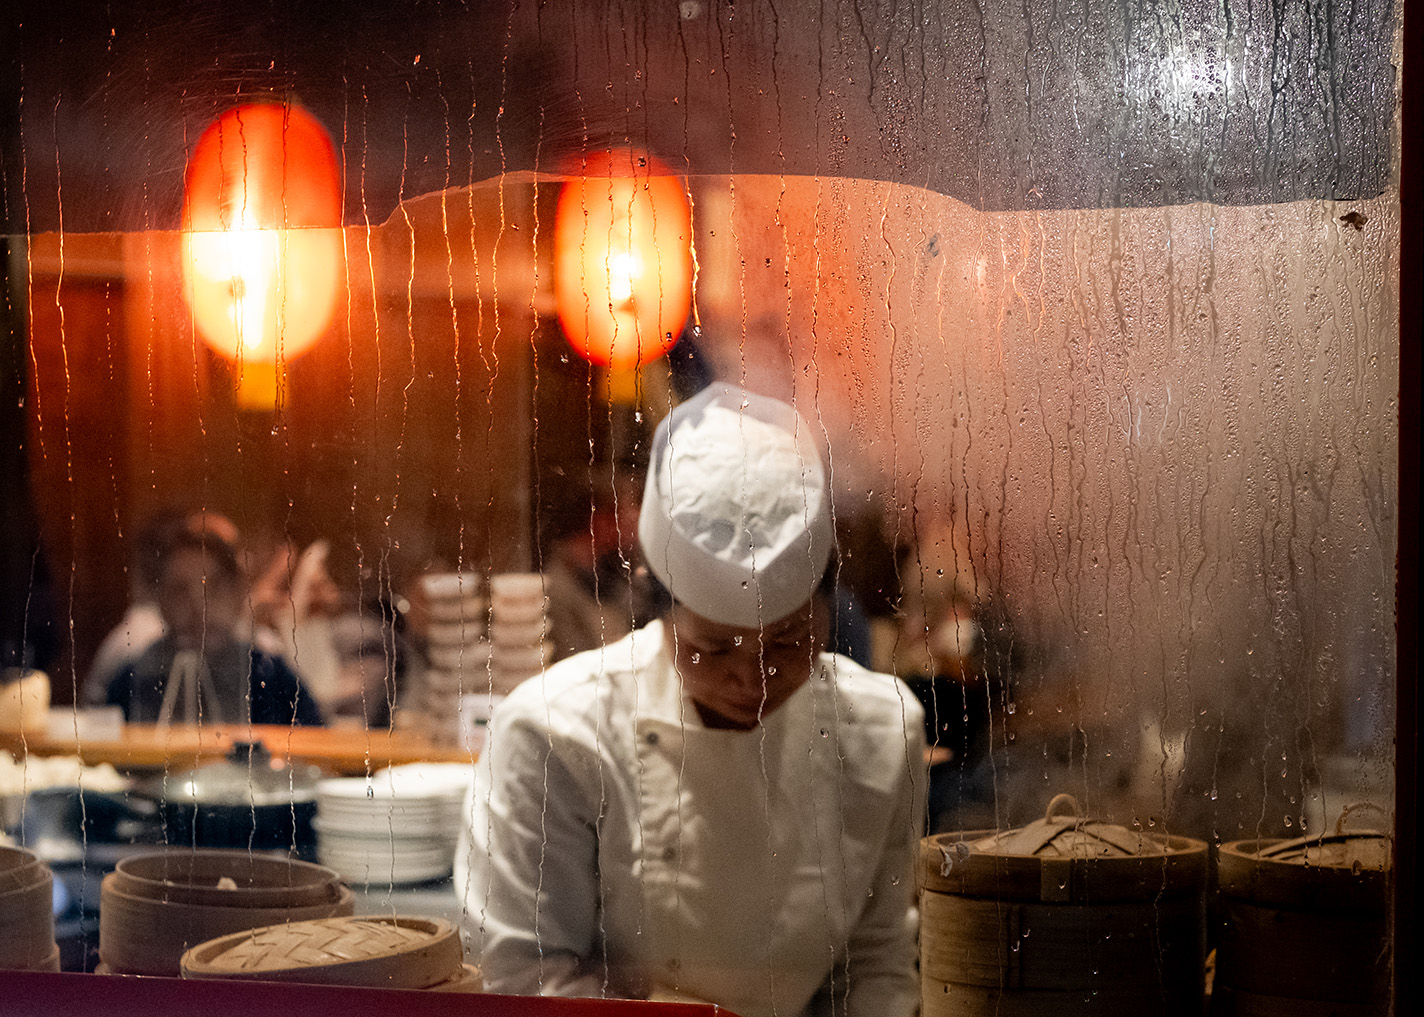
<point>261,235</point>
<point>623,259</point>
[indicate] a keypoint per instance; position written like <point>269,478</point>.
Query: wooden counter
<point>349,751</point>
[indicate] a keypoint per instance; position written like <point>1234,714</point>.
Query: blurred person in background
<point>961,669</point>
<point>201,669</point>
<point>294,604</point>
<point>142,623</point>
<point>373,662</point>
<point>598,588</point>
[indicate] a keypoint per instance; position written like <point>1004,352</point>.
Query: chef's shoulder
<point>874,706</point>
<point>575,697</point>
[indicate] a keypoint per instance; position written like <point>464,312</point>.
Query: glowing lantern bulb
<point>262,239</point>
<point>623,259</point>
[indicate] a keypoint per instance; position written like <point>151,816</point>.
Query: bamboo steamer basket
<point>193,877</point>
<point>1305,925</point>
<point>147,922</point>
<point>26,913</point>
<point>393,952</point>
<point>1066,916</point>
<point>18,868</point>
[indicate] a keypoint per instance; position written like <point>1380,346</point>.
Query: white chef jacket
<point>616,845</point>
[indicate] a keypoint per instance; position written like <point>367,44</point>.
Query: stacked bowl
<point>398,826</point>
<point>456,647</point>
<point>26,913</point>
<point>518,626</point>
<point>155,906</point>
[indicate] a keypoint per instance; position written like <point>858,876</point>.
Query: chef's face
<point>200,600</point>
<point>736,676</point>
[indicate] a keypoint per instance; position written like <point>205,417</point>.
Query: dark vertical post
<point>1411,336</point>
<point>28,637</point>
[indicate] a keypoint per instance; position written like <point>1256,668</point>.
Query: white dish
<point>447,585</point>
<point>456,609</point>
<point>522,658</point>
<point>456,633</point>
<point>518,612</point>
<point>518,634</point>
<point>466,659</point>
<point>457,682</point>
<point>517,586</point>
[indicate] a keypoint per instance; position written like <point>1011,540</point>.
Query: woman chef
<point>713,806</point>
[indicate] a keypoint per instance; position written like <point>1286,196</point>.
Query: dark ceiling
<point>1001,103</point>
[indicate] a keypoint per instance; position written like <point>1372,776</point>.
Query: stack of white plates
<point>518,625</point>
<point>456,647</point>
<point>398,826</point>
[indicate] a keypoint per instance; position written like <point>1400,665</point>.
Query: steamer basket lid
<point>1346,849</point>
<point>1347,869</point>
<point>1064,857</point>
<point>397,952</point>
<point>1068,836</point>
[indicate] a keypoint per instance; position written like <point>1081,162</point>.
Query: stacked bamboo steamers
<point>154,907</point>
<point>26,913</point>
<point>1070,916</point>
<point>1066,916</point>
<point>1305,923</point>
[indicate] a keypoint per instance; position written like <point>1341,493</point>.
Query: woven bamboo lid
<point>1347,869</point>
<point>1062,858</point>
<point>395,952</point>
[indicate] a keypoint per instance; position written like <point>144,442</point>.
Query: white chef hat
<point>736,517</point>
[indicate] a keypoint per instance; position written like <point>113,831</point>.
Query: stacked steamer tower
<point>26,913</point>
<point>1073,917</point>
<point>1066,917</point>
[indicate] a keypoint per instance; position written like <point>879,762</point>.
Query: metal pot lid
<point>1059,835</point>
<point>249,776</point>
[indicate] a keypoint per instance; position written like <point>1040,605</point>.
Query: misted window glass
<point>613,477</point>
